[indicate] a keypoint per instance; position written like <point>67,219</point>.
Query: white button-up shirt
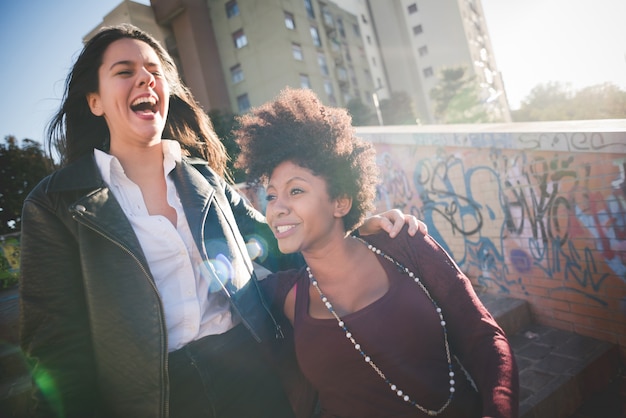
<point>192,299</point>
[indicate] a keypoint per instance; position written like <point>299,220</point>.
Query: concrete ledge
<point>511,314</point>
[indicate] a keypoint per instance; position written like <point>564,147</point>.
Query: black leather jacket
<point>92,323</point>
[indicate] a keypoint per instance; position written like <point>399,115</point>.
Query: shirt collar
<point>108,163</point>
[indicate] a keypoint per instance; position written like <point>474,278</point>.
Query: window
<point>240,39</point>
<point>348,55</point>
<point>232,9</point>
<point>330,92</point>
<point>428,72</point>
<point>309,9</point>
<point>364,19</point>
<point>296,50</point>
<point>369,39</point>
<point>328,17</point>
<point>374,64</point>
<point>321,60</point>
<point>342,32</point>
<point>423,50</point>
<point>356,29</point>
<point>236,74</point>
<point>243,103</point>
<point>290,23</point>
<point>305,83</point>
<point>412,8</point>
<point>342,74</point>
<point>316,36</point>
<point>353,78</point>
<point>417,29</point>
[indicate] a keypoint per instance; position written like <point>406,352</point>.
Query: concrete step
<point>559,371</point>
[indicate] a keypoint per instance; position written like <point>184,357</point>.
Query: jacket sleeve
<point>254,229</point>
<point>475,337</point>
<point>54,324</point>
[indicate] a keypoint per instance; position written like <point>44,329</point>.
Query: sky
<point>580,42</point>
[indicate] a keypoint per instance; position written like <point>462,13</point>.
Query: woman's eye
<point>125,72</point>
<point>296,191</point>
<point>269,197</point>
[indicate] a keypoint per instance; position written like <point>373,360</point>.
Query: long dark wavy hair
<point>74,131</point>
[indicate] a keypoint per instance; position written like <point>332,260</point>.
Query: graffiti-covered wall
<point>536,215</point>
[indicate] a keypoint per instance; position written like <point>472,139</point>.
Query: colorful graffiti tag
<point>520,222</point>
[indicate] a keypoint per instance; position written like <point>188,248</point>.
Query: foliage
<point>457,98</point>
<point>558,101</point>
<point>361,114</point>
<point>21,168</point>
<point>9,261</point>
<point>398,109</point>
<point>224,123</point>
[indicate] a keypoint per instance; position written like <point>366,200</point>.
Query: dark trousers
<point>225,375</point>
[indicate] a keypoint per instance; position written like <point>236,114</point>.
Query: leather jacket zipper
<point>78,211</point>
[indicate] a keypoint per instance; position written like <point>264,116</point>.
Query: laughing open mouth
<point>144,105</point>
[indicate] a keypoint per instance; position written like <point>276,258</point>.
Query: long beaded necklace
<point>368,360</point>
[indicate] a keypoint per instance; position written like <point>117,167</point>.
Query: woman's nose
<point>278,207</point>
<point>146,77</point>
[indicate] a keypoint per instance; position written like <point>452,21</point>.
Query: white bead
<point>451,374</point>
<point>357,346</point>
<point>399,393</point>
<point>438,310</point>
<point>324,299</point>
<point>452,382</point>
<point>406,398</point>
<point>328,305</point>
<point>367,359</point>
<point>348,335</point>
<point>341,323</point>
<point>394,387</point>
<point>452,390</point>
<point>443,323</point>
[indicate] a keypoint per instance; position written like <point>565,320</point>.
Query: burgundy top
<point>402,334</point>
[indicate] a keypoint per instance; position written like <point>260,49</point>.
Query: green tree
<point>558,101</point>
<point>21,168</point>
<point>361,114</point>
<point>398,109</point>
<point>457,98</point>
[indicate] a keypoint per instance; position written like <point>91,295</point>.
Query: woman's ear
<point>343,204</point>
<point>93,100</point>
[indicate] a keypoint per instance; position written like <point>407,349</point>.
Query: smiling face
<point>300,212</point>
<point>133,95</point>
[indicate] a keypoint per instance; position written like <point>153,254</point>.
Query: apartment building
<point>265,46</point>
<point>419,38</point>
<point>235,54</point>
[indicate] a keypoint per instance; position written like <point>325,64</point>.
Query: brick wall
<point>533,211</point>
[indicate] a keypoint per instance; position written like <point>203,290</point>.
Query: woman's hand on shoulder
<point>392,222</point>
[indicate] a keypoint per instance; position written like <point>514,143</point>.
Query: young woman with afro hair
<point>381,327</point>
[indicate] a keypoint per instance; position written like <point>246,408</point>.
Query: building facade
<point>420,38</point>
<point>235,54</point>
